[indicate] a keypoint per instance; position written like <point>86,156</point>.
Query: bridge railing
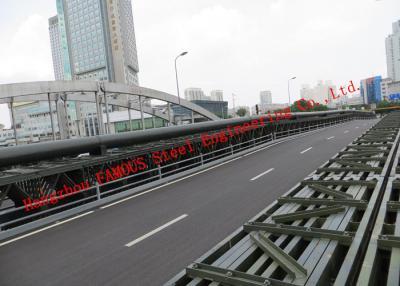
<point>98,194</point>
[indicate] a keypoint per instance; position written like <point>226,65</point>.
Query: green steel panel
<point>329,191</point>
<point>230,277</point>
<point>308,214</point>
<point>288,263</point>
<point>327,202</point>
<point>344,237</point>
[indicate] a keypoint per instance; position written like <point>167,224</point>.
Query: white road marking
<point>357,127</point>
<point>158,229</point>
<point>45,228</point>
<point>285,140</point>
<point>329,138</point>
<point>347,131</point>
<point>167,184</point>
<point>262,174</point>
<point>304,151</point>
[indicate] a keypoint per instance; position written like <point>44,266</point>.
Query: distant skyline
<point>240,47</point>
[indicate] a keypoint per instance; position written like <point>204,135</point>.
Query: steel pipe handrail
<point>48,150</point>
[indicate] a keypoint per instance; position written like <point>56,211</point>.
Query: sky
<point>239,46</point>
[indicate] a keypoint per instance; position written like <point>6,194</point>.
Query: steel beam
<point>344,237</point>
<point>288,263</point>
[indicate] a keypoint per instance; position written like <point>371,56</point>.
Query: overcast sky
<point>239,46</point>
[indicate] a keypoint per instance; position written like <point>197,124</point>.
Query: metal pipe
<point>130,116</point>
<point>141,112</point>
<point>48,150</point>
<point>99,112</point>
<point>66,117</point>
<point>58,117</point>
<point>94,126</point>
<point>51,118</point>
<point>169,113</point>
<point>107,114</point>
<point>88,126</point>
<point>13,120</point>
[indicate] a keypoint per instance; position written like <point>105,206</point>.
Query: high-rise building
<point>265,97</point>
<point>95,40</point>
<point>194,93</point>
<point>370,89</point>
<point>319,93</point>
<point>392,90</point>
<point>56,50</point>
<point>217,95</point>
<point>90,40</point>
<point>393,52</point>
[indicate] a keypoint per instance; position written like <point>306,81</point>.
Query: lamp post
<point>288,90</point>
<point>176,73</point>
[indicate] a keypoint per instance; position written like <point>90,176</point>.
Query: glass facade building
<point>370,89</point>
<point>97,40</point>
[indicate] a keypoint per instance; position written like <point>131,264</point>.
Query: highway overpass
<point>147,237</point>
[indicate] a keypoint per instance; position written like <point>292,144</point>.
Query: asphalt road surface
<point>147,239</point>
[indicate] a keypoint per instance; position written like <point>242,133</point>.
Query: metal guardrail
<point>16,216</point>
<point>318,232</point>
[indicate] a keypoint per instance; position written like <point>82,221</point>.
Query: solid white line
<point>158,229</point>
<point>330,137</point>
<point>304,151</point>
<point>262,174</point>
<point>347,131</point>
<point>45,228</point>
<point>167,184</point>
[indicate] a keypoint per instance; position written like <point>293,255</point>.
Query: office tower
<point>96,41</point>
<point>319,93</point>
<point>217,95</point>
<point>56,50</point>
<point>194,93</point>
<point>370,90</point>
<point>265,97</point>
<point>92,40</point>
<point>393,52</point>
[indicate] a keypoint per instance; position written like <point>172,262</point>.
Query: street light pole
<point>176,74</point>
<point>288,89</point>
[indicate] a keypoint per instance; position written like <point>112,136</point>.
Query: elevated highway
<point>146,238</point>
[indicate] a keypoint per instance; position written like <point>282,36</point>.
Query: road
<point>149,238</point>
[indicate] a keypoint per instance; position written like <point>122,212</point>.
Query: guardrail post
<point>231,149</point>
<point>201,159</point>
<point>159,171</point>
<point>98,191</point>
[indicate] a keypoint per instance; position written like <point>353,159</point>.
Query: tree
<point>241,112</point>
<point>307,106</point>
<point>385,103</point>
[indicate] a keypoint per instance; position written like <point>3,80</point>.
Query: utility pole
<point>233,104</point>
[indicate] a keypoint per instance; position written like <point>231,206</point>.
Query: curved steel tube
<point>41,151</point>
